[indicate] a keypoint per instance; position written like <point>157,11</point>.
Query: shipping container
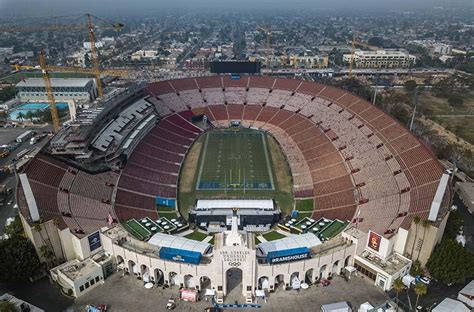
<point>180,255</point>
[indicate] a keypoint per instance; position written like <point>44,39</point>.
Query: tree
<point>455,100</point>
<point>398,285</point>
<point>455,221</point>
<point>20,116</point>
<point>416,220</point>
<point>29,115</point>
<point>7,306</point>
<point>19,259</point>
<point>420,290</point>
<point>410,86</point>
<point>451,262</point>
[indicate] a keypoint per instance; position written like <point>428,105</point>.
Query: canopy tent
<point>295,282</point>
<point>210,292</point>
<point>265,284</point>
<point>408,280</point>
<point>260,293</point>
<point>450,305</point>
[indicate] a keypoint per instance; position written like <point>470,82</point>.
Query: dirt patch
<point>280,166</point>
<point>190,167</point>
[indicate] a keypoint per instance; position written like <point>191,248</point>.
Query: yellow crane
<point>89,26</point>
<point>354,43</point>
<point>268,32</point>
<point>45,69</point>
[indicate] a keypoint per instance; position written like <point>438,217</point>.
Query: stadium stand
<point>344,153</point>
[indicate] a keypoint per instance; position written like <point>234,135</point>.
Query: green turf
<point>273,235</point>
<point>168,215</point>
<point>196,235</point>
<point>333,229</point>
<point>136,229</point>
<point>235,159</point>
<point>257,241</point>
<point>283,198</point>
<point>305,205</point>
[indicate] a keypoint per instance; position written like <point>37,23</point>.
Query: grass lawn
<point>196,235</point>
<point>273,235</point>
<point>304,205</point>
<point>279,171</point>
<point>257,241</point>
<point>460,125</point>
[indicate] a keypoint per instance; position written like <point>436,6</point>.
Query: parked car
<point>324,282</point>
<point>425,280</point>
<point>171,305</point>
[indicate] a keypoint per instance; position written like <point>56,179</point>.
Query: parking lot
<point>128,294</point>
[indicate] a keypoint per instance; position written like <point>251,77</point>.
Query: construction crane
<point>354,43</point>
<point>89,26</point>
<point>267,31</point>
<point>46,69</point>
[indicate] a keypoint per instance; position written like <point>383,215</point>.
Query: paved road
<point>128,294</point>
<point>7,136</point>
<point>40,293</point>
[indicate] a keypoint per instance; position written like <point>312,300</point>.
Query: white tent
<point>146,277</point>
<point>466,294</point>
<point>210,292</point>
<point>365,307</point>
<point>260,293</point>
<point>265,283</point>
<point>450,305</point>
<point>408,280</point>
<point>295,282</point>
<point>336,307</point>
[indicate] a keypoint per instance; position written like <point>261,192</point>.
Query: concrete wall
<point>425,241</point>
<point>228,257</point>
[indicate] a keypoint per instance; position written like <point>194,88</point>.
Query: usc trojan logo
<point>374,241</point>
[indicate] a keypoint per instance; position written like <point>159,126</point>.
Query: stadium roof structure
<point>205,204</point>
<point>55,82</point>
<point>307,240</point>
<point>178,242</point>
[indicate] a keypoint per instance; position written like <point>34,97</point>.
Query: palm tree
<point>420,290</point>
<point>398,285</point>
<point>424,224</point>
<point>29,115</point>
<point>20,116</point>
<point>56,224</point>
<point>45,248</point>
<point>416,220</point>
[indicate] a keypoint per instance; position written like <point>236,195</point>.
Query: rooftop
<point>55,82</point>
<point>75,269</point>
<point>178,242</point>
<point>393,264</point>
<point>203,204</point>
<point>308,240</point>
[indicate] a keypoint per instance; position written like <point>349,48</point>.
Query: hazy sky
<point>112,7</point>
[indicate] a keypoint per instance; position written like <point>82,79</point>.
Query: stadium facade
<point>355,162</point>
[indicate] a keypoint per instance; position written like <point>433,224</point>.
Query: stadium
<point>274,182</point>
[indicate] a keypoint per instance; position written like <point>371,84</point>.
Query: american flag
<point>110,220</point>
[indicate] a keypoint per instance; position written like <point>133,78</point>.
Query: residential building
<point>381,59</point>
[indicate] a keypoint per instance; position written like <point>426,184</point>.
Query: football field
<point>235,159</point>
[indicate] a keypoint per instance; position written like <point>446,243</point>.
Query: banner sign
<point>374,241</point>
<point>94,241</point>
